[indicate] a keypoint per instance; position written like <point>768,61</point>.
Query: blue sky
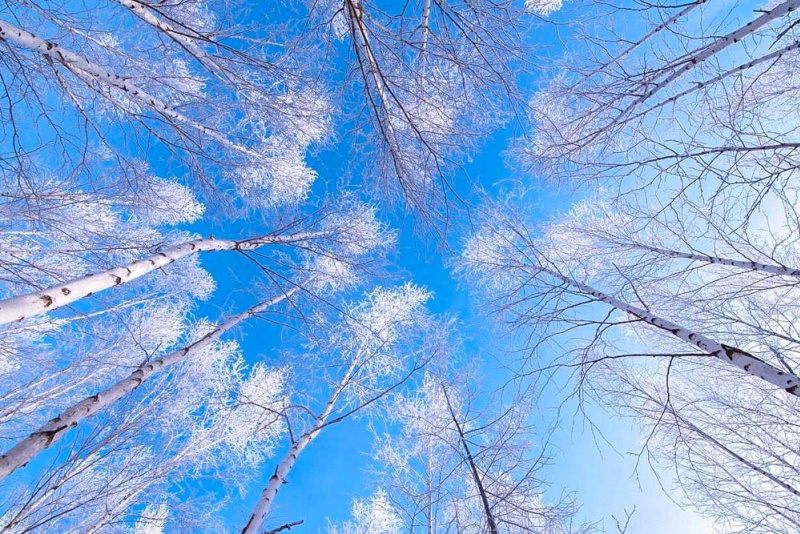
<point>334,469</point>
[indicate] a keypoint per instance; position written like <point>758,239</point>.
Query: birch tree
<point>327,251</point>
<point>735,280</point>
<point>376,347</point>
<point>452,465</point>
<point>349,229</point>
<point>535,291</point>
<point>210,414</point>
<point>89,103</point>
<point>321,273</point>
<point>56,428</point>
<point>698,101</point>
<point>690,125</point>
<point>51,232</point>
<point>431,80</point>
<point>731,447</point>
<point>725,437</point>
<point>673,281</point>
<point>202,86</point>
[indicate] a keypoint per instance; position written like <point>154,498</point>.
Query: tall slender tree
<point>453,465</point>
<point>673,281</point>
<point>371,353</point>
<point>694,104</point>
<point>731,447</point>
<point>207,414</point>
<point>431,80</point>
<point>536,290</point>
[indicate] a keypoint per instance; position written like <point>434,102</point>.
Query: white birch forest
<point>220,222</point>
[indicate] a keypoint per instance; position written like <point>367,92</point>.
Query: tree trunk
<point>698,86</point>
<point>361,40</point>
<point>269,493</point>
<point>89,71</point>
<point>181,37</point>
<point>714,48</point>
<point>726,450</point>
<point>745,265</point>
<point>426,26</point>
<point>56,428</point>
<point>667,23</point>
<point>741,359</point>
<point>23,306</point>
<point>473,468</point>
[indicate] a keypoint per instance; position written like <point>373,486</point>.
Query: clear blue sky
<point>334,469</point>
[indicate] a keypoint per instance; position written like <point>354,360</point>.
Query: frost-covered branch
<point>56,428</point>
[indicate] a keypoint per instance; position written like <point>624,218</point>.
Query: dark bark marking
<point>730,351</point>
<point>50,435</point>
<point>252,518</point>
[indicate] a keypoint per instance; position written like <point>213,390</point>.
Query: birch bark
<point>706,52</point>
<point>269,493</point>
<point>361,35</point>
<point>697,86</point>
<point>56,428</point>
<point>144,12</point>
<point>729,452</point>
<point>667,23</point>
<point>23,306</point>
<point>745,265</point>
<point>90,71</point>
<point>743,360</point>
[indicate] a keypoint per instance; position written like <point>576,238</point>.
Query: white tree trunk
<point>748,463</point>
<point>697,86</point>
<point>54,430</point>
<point>714,48</point>
<point>714,150</point>
<point>361,38</point>
<point>90,71</point>
<point>144,12</point>
<point>741,359</point>
<point>262,507</point>
<point>745,265</point>
<point>18,308</point>
<point>625,53</point>
<point>426,26</point>
<point>269,493</point>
